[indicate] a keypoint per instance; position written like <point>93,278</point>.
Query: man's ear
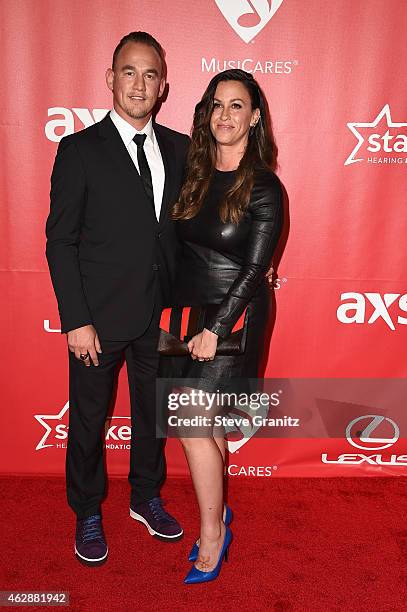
<point>163,83</point>
<point>109,78</point>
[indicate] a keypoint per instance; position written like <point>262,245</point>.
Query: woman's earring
<point>252,126</point>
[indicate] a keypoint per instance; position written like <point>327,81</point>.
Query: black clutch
<point>180,323</point>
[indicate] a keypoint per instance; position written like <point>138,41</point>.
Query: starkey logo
<point>55,430</point>
<point>381,141</point>
<point>248,17</point>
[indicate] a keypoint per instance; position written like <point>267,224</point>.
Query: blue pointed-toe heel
<point>195,576</point>
<point>193,555</point>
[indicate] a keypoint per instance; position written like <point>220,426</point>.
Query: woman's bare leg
<point>207,470</point>
<point>206,459</point>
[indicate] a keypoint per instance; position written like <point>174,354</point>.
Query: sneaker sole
<point>91,562</point>
<point>155,534</point>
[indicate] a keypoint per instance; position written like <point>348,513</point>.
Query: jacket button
<point>156,267</point>
<point>159,235</point>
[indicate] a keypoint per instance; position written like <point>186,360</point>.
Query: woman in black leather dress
<point>228,219</point>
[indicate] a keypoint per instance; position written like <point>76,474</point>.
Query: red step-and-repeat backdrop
<point>333,73</point>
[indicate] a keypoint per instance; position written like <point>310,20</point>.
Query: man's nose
<point>139,82</point>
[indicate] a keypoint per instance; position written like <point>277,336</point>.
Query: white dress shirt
<point>151,149</point>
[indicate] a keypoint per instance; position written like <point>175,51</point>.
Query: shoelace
<point>92,529</point>
<point>158,511</point>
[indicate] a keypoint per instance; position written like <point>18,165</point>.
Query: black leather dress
<point>225,264</point>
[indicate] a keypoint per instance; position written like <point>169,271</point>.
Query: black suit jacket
<point>110,259</point>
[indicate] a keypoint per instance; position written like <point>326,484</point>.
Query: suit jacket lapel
<point>168,155</point>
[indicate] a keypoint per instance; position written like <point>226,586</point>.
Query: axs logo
<point>354,310</point>
<point>63,122</point>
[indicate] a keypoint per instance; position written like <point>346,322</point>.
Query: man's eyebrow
<point>129,67</point>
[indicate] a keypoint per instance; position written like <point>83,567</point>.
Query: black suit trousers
<point>91,390</point>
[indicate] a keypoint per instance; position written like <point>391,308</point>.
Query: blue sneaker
<point>90,544</point>
<point>159,523</point>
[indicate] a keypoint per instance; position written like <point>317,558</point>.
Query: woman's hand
<point>203,345</point>
<point>269,276</point>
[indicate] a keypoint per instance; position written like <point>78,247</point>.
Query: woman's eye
<point>216,105</point>
<point>235,105</point>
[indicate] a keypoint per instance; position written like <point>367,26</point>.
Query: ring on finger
<point>84,356</point>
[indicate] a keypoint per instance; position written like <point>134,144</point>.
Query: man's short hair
<point>146,39</point>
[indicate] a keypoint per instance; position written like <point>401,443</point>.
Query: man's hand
<point>84,341</point>
<point>203,346</point>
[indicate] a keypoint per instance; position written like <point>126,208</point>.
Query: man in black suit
<point>111,251</point>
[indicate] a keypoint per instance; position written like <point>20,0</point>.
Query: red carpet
<point>300,545</point>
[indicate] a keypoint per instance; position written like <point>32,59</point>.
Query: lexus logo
<point>365,439</point>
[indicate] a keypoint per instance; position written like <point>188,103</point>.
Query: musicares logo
<point>243,430</point>
<point>385,136</point>
<point>246,17</point>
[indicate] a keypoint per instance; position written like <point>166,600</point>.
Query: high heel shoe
<point>193,555</point>
<point>195,575</point>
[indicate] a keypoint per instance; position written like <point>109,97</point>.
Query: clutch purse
<point>180,323</point>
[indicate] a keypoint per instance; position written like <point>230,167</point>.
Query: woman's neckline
<point>225,171</point>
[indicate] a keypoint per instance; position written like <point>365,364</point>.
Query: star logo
<point>117,429</point>
<point>385,142</point>
<point>42,418</point>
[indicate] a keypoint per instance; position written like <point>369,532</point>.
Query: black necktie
<point>144,168</point>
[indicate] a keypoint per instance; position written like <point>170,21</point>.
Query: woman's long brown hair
<point>261,152</point>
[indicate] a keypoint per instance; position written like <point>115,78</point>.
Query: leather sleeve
<point>63,229</point>
<point>266,209</point>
